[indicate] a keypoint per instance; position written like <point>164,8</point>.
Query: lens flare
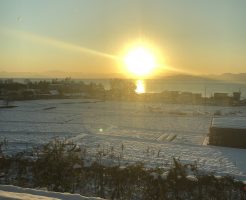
<point>44,40</point>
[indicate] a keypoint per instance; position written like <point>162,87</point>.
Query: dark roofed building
<point>222,99</point>
<point>228,131</point>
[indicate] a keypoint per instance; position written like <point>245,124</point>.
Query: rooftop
<point>229,122</point>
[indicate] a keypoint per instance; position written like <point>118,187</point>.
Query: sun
<point>140,61</point>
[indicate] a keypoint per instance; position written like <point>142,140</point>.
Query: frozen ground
<point>8,192</point>
<point>152,133</point>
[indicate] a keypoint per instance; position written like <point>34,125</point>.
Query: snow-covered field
<point>150,132</point>
<point>8,192</point>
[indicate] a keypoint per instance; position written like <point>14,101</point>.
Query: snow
<point>229,122</point>
<point>192,178</point>
<point>164,175</point>
<point>153,137</point>
<point>8,192</point>
<point>154,175</point>
<point>77,166</point>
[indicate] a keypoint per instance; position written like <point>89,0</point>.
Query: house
<point>228,131</point>
<point>222,99</point>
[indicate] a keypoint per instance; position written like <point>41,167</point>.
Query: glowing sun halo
<point>140,61</point>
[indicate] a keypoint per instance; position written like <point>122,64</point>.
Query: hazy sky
<point>202,36</point>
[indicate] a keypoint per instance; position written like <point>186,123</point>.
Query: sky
<point>88,36</point>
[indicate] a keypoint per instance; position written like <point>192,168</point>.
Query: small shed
<point>228,131</point>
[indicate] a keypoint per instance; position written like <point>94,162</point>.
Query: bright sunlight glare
<point>140,61</point>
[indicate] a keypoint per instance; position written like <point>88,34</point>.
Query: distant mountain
<point>185,77</point>
<point>233,77</point>
<point>228,77</point>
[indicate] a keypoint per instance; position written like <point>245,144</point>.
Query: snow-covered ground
<point>8,192</point>
<point>150,132</point>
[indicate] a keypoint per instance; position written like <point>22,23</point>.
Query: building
<point>236,96</point>
<point>228,131</point>
<point>222,99</point>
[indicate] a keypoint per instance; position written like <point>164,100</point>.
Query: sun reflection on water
<point>140,87</point>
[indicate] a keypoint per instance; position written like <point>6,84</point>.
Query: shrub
<point>55,166</point>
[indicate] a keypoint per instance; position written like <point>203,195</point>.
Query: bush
<point>60,167</point>
<point>55,166</point>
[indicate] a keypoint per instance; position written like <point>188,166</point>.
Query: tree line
<point>28,89</point>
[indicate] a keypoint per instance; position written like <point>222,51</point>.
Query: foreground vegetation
<point>62,166</point>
